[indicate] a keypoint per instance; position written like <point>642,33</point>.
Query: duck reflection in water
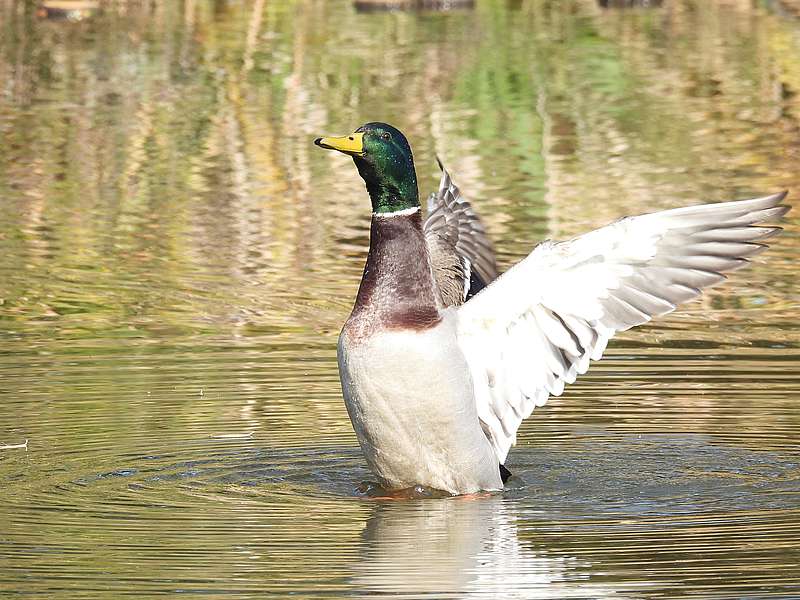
<point>463,548</point>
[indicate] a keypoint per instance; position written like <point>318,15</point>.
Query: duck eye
<point>386,135</point>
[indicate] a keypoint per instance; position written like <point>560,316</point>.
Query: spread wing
<point>538,325</point>
<point>461,254</point>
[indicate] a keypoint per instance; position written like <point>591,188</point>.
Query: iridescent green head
<point>384,161</point>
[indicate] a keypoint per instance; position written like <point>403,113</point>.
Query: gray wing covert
<point>462,257</point>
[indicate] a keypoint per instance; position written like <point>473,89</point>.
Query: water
<point>177,260</point>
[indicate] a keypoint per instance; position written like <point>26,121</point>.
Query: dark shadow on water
<point>629,3</point>
<point>524,539</point>
<point>77,10</point>
<point>597,475</point>
<point>651,475</point>
<point>374,491</point>
<point>377,6</point>
<point>571,512</point>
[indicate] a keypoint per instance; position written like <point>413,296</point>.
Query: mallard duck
<point>441,359</point>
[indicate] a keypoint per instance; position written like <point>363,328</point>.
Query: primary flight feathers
<point>538,325</point>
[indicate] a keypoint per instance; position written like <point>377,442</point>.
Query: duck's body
<point>437,382</point>
<point>417,425</point>
<point>399,359</point>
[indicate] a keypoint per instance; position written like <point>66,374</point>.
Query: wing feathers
<point>538,326</point>
<point>554,330</point>
<point>457,243</point>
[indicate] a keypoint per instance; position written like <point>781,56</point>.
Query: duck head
<point>384,161</point>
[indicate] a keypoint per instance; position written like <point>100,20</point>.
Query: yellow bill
<point>352,144</point>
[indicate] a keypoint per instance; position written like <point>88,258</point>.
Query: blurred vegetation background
<point>176,260</point>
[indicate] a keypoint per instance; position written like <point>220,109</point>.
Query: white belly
<point>409,396</point>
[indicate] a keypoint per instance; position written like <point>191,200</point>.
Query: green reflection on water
<point>177,259</point>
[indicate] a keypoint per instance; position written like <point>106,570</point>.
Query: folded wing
<point>537,327</point>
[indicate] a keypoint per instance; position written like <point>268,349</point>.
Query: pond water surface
<point>176,260</point>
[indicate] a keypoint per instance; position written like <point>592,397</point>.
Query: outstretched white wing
<point>538,325</point>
